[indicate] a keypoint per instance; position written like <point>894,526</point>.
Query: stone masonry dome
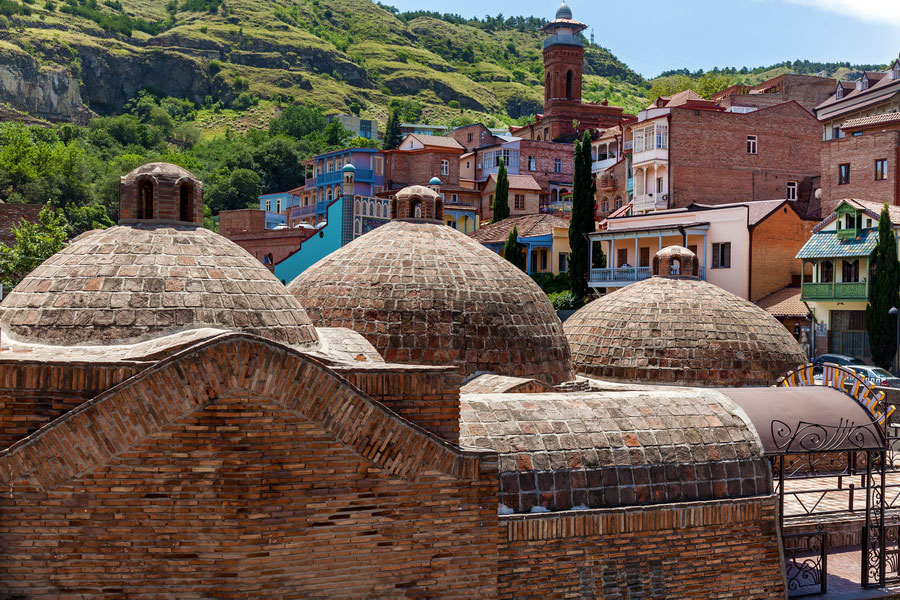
<point>150,277</point>
<point>424,293</point>
<point>681,331</point>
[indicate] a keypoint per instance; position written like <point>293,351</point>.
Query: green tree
<point>240,189</point>
<point>500,205</point>
<point>513,251</point>
<point>884,293</point>
<point>582,221</point>
<point>278,164</point>
<point>355,108</point>
<point>298,121</point>
<point>35,243</point>
<point>336,135</point>
<point>392,137</point>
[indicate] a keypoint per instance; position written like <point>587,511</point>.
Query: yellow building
<point>545,237</point>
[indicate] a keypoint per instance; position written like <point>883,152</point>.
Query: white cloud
<point>884,12</point>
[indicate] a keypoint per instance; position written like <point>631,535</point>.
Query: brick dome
<point>680,331</point>
<point>425,293</point>
<point>135,282</point>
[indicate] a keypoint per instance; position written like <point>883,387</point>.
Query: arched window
<point>618,201</point>
<point>826,271</point>
<point>604,205</point>
<point>415,209</point>
<point>267,259</point>
<point>145,209</point>
<point>438,209</point>
<point>394,212</point>
<point>184,202</point>
<point>328,195</point>
<point>569,81</point>
<point>850,271</point>
<point>675,267</point>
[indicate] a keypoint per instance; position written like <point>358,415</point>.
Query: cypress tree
<point>500,206</point>
<point>513,251</point>
<point>582,221</point>
<point>884,293</point>
<point>392,136</point>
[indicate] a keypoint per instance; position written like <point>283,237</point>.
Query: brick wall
<point>417,167</point>
<point>861,153</point>
<point>427,396</point>
<point>242,469</point>
<point>545,154</point>
<point>13,214</point>
<point>481,136</point>
<point>774,243</point>
<point>33,394</point>
<point>166,198</point>
<point>616,189</point>
<point>708,155</point>
<point>247,220</point>
<point>703,550</point>
<point>247,229</point>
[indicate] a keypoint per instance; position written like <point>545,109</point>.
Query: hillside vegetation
<point>83,57</point>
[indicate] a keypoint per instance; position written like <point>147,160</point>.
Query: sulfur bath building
<point>176,425</point>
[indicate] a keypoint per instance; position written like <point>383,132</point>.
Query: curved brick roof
<point>594,450</point>
<point>680,331</point>
<point>424,293</point>
<point>131,283</point>
<point>159,169</point>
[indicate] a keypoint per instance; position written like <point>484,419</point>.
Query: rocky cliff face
<point>47,93</point>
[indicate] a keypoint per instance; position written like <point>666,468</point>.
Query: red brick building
<point>563,107</point>
<point>806,90</point>
<point>247,229</point>
<point>12,215</point>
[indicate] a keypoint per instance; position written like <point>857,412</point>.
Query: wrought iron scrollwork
<point>814,437</point>
<point>806,562</point>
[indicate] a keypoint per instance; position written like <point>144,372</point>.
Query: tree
<point>884,293</point>
<point>238,190</point>
<point>279,164</point>
<point>582,221</point>
<point>35,243</point>
<point>392,136</point>
<point>500,206</point>
<point>513,251</point>
<point>298,121</point>
<point>355,108</point>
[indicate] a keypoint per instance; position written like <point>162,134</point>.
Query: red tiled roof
<point>526,225</point>
<point>520,182</point>
<point>881,88</point>
<point>784,303</point>
<point>862,122</point>
<point>437,141</point>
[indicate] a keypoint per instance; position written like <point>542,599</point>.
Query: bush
<point>244,101</point>
<point>566,301</point>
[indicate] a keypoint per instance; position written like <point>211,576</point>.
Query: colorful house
<point>839,254</point>
<point>545,237</point>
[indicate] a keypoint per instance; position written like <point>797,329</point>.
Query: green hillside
<point>335,53</point>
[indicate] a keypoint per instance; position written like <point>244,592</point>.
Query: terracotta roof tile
<point>784,303</point>
<point>527,226</point>
<point>437,141</point>
<point>869,121</point>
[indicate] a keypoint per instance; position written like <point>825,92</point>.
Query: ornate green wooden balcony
<point>835,291</point>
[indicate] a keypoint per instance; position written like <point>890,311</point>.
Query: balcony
<point>606,182</point>
<point>649,155</point>
<point>623,276</point>
<point>648,202</point>
<point>857,290</point>
<point>332,177</point>
<point>564,38</point>
<point>601,165</point>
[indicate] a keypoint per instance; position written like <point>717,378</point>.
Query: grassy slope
<point>324,45</point>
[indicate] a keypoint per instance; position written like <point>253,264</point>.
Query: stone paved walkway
<point>803,496</point>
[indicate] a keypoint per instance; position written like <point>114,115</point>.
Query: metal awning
<point>649,231</point>
<point>798,420</point>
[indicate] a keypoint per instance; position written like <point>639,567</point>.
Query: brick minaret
<point>563,57</point>
<point>160,192</point>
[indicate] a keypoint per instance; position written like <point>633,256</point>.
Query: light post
<point>896,312</point>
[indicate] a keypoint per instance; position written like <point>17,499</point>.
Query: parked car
<point>842,360</point>
<point>877,375</point>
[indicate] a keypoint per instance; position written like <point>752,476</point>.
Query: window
<point>468,164</point>
<point>278,205</point>
<point>452,223</point>
<point>618,202</point>
<point>881,169</point>
<point>454,198</point>
<point>751,144</point>
<point>791,190</point>
<point>835,133</point>
<point>445,167</point>
<point>378,165</point>
<point>659,185</point>
<point>470,137</point>
<point>563,262</point>
<point>557,165</point>
<point>850,271</point>
<point>843,173</point>
<point>520,202</point>
<point>268,205</point>
<point>826,272</point>
<point>645,257</point>
<point>868,223</point>
<point>544,260</point>
<point>532,163</point>
<point>693,248</point>
<point>622,257</point>
<point>721,255</point>
<point>604,205</point>
<point>857,133</point>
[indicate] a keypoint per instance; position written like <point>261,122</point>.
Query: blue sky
<point>701,34</point>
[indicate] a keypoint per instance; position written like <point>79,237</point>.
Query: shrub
<point>566,301</point>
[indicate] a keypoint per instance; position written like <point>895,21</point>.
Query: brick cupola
<point>418,202</point>
<point>160,192</point>
<point>563,57</point>
<point>676,262</point>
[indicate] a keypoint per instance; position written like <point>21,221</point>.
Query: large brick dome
<point>135,282</point>
<point>424,293</point>
<point>680,331</point>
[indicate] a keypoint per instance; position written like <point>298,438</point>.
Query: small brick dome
<point>676,261</point>
<point>680,331</point>
<point>131,283</point>
<point>424,293</point>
